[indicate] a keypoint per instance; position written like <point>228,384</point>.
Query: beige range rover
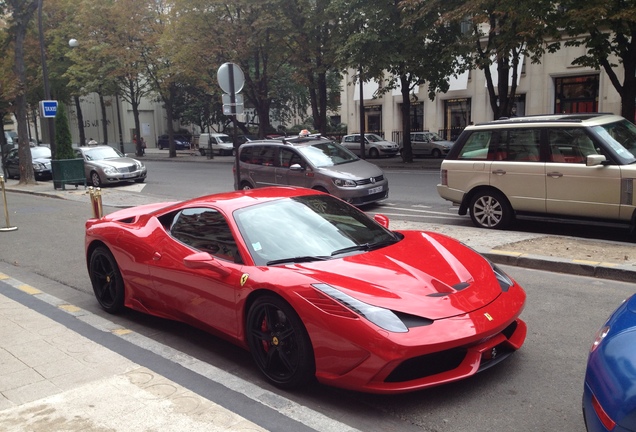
<point>575,166</point>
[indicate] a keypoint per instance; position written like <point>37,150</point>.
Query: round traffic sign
<point>231,78</point>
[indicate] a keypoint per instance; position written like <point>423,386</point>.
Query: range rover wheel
<point>490,209</point>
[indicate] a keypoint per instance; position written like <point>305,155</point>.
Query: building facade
<point>553,86</point>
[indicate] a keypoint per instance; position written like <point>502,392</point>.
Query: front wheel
<point>95,180</point>
<point>436,153</point>
<point>373,153</point>
<point>490,209</point>
<point>106,279</point>
<point>246,186</point>
<point>279,342</point>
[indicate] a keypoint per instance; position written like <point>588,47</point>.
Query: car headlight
<point>39,166</point>
<point>110,170</point>
<point>381,317</point>
<point>344,183</point>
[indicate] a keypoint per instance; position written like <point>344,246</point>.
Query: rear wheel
<point>106,279</point>
<point>279,342</point>
<point>246,186</point>
<point>490,209</point>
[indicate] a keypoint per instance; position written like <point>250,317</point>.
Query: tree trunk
<point>102,105</point>
<point>407,151</point>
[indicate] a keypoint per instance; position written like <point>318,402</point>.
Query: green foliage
<point>63,140</point>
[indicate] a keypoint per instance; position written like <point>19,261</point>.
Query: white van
<point>220,144</point>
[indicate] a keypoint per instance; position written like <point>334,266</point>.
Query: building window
<point>373,114</point>
<point>576,94</point>
<point>456,117</point>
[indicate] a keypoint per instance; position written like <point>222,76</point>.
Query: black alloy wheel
<point>106,279</point>
<point>279,343</point>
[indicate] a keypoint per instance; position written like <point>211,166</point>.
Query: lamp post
<point>45,78</point>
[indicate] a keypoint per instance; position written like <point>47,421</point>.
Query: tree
<point>607,29</point>
<point>22,13</point>
<point>63,135</point>
<point>498,32</point>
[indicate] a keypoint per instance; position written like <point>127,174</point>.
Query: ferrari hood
<point>425,274</point>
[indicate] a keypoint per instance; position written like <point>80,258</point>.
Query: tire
<point>279,343</point>
<point>108,285</point>
<point>246,186</point>
<point>95,180</point>
<point>373,153</point>
<point>436,153</point>
<point>202,151</point>
<point>490,209</point>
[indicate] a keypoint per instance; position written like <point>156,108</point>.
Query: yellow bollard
<point>96,201</point>
<point>6,209</point>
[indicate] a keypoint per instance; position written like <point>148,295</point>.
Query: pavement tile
<point>19,378</point>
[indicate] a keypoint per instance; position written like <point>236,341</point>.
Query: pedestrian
<point>143,146</point>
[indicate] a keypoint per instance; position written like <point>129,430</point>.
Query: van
<point>312,162</point>
<point>575,166</point>
<point>221,144</point>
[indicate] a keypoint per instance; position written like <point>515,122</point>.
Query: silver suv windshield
<point>621,137</point>
<point>326,154</point>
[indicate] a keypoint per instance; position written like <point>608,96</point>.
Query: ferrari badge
<point>244,278</point>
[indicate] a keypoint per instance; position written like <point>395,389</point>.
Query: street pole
<point>45,76</point>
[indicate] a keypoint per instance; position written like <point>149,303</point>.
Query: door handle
<point>555,174</point>
<point>499,172</point>
<point>156,256</point>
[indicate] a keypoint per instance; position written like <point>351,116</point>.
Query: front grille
<point>370,180</point>
<point>427,365</point>
<point>127,169</point>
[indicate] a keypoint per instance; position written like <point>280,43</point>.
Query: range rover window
<point>570,145</point>
<point>476,146</point>
<point>522,145</point>
<point>621,137</point>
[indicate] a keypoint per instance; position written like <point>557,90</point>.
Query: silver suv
<point>577,166</point>
<point>312,162</point>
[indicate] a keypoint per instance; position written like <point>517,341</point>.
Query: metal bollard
<point>6,209</point>
<point>96,201</point>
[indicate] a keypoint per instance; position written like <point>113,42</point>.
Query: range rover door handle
<point>555,174</point>
<point>499,172</point>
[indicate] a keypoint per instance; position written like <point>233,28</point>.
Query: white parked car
<point>579,166</point>
<point>221,144</point>
<point>374,145</point>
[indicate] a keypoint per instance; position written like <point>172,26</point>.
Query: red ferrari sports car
<point>312,287</point>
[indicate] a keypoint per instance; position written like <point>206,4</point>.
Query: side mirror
<point>382,220</point>
<point>595,159</point>
<point>296,167</point>
<point>205,261</point>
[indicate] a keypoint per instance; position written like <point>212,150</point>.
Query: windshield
<point>434,137</point>
<point>40,152</point>
<point>326,154</point>
<point>621,137</point>
<point>374,138</point>
<point>225,139</point>
<point>102,153</point>
<point>308,228</point>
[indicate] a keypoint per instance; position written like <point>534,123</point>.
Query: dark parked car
<point>181,142</point>
<point>40,157</point>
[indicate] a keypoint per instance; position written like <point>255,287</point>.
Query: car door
<point>419,144</point>
<point>517,169</point>
<point>292,169</point>
<point>262,169</point>
<point>575,189</point>
<point>352,143</point>
<point>199,295</point>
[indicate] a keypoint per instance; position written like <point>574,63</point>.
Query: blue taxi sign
<point>48,108</point>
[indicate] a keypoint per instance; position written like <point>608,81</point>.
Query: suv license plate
<point>375,190</point>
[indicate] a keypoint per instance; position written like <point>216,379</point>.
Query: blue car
<point>181,142</point>
<point>609,397</point>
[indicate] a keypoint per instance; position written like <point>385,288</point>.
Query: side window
<point>570,145</point>
<point>349,139</point>
<point>476,146</point>
<point>246,154</point>
<point>207,231</point>
<point>265,155</point>
<point>288,157</point>
<point>521,145</point>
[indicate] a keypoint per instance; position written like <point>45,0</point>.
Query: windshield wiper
<point>364,247</point>
<point>307,258</point>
